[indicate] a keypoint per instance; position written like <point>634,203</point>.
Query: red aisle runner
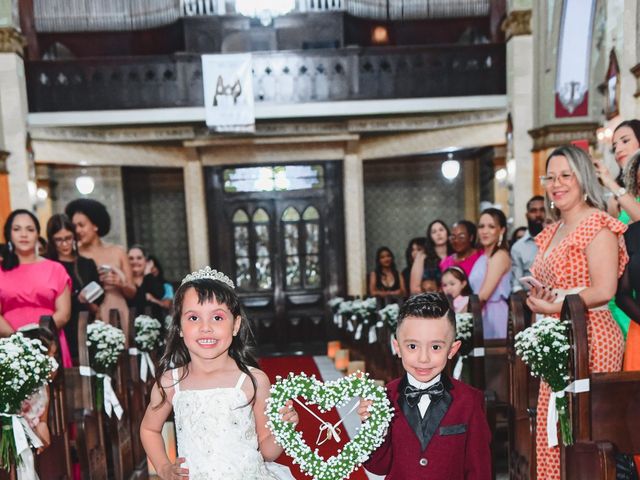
<point>274,366</point>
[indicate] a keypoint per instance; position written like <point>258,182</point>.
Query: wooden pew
<point>90,441</point>
<point>119,430</point>
<point>523,392</point>
<point>55,461</point>
<point>606,419</point>
<point>477,362</point>
<point>137,393</point>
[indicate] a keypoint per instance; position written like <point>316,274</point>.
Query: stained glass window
<point>241,248</point>
<point>263,257</point>
<point>273,178</point>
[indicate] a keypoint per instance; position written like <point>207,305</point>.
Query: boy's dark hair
<point>427,305</point>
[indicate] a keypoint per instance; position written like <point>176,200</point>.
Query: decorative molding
<point>113,135</point>
<point>11,41</point>
<point>518,22</point>
<point>550,136</point>
<point>3,161</point>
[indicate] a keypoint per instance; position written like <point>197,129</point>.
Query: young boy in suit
<point>439,430</point>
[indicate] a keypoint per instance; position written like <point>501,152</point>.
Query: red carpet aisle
<point>274,366</point>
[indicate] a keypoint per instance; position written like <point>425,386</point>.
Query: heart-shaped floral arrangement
<point>326,396</point>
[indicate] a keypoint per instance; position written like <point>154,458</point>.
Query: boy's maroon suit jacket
<point>457,450</point>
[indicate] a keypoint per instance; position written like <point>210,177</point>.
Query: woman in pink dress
<point>31,286</point>
<point>463,241</point>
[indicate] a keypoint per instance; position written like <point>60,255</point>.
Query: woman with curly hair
<point>92,222</point>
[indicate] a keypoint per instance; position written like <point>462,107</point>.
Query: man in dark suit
<point>439,430</point>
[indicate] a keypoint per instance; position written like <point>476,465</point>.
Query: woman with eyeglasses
<point>582,252</point>
<point>463,241</point>
<point>62,247</point>
<point>31,286</point>
<point>425,272</point>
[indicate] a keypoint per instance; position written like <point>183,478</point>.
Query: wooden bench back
<point>606,419</point>
<point>523,389</point>
<point>477,362</point>
<point>90,442</point>
<point>119,430</point>
<point>55,461</point>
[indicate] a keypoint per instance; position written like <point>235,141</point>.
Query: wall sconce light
<point>450,168</point>
<point>85,184</point>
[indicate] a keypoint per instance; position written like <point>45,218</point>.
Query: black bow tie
<point>413,394</point>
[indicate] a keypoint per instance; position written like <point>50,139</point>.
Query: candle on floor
<point>342,359</point>
<point>332,348</point>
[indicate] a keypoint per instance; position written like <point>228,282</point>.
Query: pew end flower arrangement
<point>147,341</point>
<point>544,348</point>
<point>25,366</point>
<point>106,344</point>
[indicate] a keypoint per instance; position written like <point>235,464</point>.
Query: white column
<point>13,134</point>
<point>520,97</point>
<point>354,224</point>
<point>196,210</point>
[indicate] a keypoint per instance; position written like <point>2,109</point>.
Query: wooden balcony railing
<point>279,77</point>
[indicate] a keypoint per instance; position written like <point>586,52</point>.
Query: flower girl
<point>456,285</point>
<point>207,377</point>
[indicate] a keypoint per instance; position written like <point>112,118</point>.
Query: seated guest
<point>92,222</point>
<point>439,429</point>
<point>385,280</point>
<point>490,277</point>
<point>425,273</point>
<point>82,271</point>
<point>463,242</point>
<point>416,245</point>
<point>524,250</point>
<point>145,282</point>
<point>31,286</point>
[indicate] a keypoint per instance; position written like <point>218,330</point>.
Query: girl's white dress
<point>216,434</point>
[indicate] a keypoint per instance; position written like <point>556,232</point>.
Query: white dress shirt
<point>425,400</point>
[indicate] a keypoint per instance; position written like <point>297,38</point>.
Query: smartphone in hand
<point>531,282</point>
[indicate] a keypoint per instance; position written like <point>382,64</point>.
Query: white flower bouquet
<point>544,347</point>
<point>147,340</point>
<point>389,315</point>
<point>147,333</point>
<point>334,304</point>
<point>106,343</point>
<point>24,368</point>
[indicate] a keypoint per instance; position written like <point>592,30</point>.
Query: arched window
<point>241,222</point>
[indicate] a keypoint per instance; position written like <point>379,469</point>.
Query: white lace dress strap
<point>240,381</point>
<point>176,380</point>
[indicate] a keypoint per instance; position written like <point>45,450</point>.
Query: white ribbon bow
<point>146,364</point>
<point>358,333</point>
<point>578,386</point>
<point>111,403</point>
<point>26,468</point>
<point>331,428</point>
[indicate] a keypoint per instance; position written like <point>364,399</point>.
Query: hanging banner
<point>228,92</point>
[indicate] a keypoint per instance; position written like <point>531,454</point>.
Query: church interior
<point>331,160</point>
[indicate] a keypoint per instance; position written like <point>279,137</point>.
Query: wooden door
<point>283,247</point>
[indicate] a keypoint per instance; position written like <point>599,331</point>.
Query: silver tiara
<point>208,272</point>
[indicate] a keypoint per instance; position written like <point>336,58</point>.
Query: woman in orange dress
<point>576,255</point>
